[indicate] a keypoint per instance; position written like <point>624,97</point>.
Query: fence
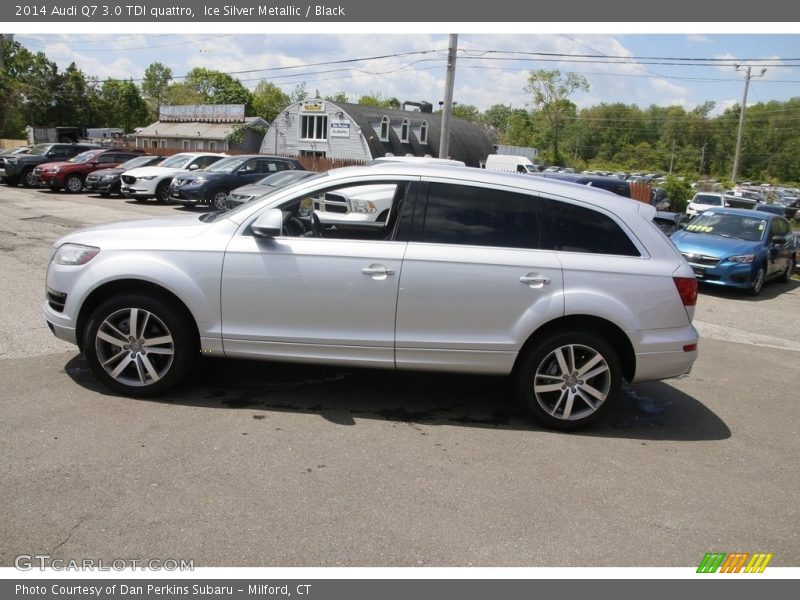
<point>7,144</point>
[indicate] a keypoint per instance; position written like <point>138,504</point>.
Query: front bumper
<point>99,185</point>
<point>726,273</point>
<point>188,196</point>
<point>137,191</point>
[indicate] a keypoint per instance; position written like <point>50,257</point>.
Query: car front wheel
<point>758,282</point>
<point>569,380</point>
<point>73,184</point>
<point>138,345</point>
<point>219,199</point>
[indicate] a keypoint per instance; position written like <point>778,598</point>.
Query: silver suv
<point>567,288</point>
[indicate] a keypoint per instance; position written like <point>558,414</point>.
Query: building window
<point>198,145</point>
<point>187,145</point>
<point>154,143</point>
<point>314,127</point>
<point>385,129</point>
<point>212,146</point>
<point>162,143</point>
<point>423,133</point>
<point>318,153</point>
<point>404,131</point>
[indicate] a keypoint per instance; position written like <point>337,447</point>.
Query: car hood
<point>60,165</point>
<point>138,233</point>
<point>207,175</point>
<point>157,171</point>
<point>713,245</point>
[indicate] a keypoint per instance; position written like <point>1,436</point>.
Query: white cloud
<point>698,39</point>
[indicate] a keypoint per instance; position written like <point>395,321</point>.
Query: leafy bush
<point>679,193</point>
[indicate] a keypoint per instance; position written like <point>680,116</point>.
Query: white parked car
<point>568,289</point>
<point>153,182</point>
<point>703,201</point>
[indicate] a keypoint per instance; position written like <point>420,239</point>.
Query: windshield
<point>530,169</point>
<point>40,149</point>
<point>83,157</point>
<point>176,162</point>
<point>226,165</point>
<point>708,200</point>
<point>729,226</point>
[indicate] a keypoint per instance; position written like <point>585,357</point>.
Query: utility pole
<point>447,107</point>
<point>672,156</point>
<point>740,133</point>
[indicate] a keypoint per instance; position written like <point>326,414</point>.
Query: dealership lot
<point>273,465</point>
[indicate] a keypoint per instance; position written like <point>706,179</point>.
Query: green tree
<point>123,104</point>
<point>154,86</point>
<point>181,94</point>
<point>468,112</point>
<point>379,100</point>
<point>549,93</point>
<point>299,93</point>
<point>338,97</point>
<point>217,87</point>
<point>269,100</point>
<point>679,192</point>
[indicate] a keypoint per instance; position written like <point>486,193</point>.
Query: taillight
<point>687,289</point>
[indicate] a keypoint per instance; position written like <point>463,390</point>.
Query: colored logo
<point>737,562</point>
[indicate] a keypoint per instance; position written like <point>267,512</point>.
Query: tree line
<point>616,136</point>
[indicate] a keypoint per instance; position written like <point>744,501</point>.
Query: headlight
<point>146,177</point>
<point>107,177</point>
<point>743,258</point>
<point>198,181</point>
<point>362,206</point>
<point>55,169</point>
<point>74,254</point>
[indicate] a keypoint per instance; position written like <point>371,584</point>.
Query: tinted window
<point>475,216</point>
<point>572,228</point>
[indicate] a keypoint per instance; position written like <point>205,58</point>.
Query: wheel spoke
<point>121,366</point>
<point>115,357</point>
<point>589,364</point>
<point>117,332</point>
<point>595,372</point>
<point>571,357</point>
<point>551,387</point>
<point>570,402</point>
<point>157,341</point>
<point>167,351</point>
<point>150,368</point>
<point>592,391</point>
<point>558,404</point>
<point>140,369</point>
<point>562,363</point>
<point>144,326</point>
<point>593,405</point>
<point>110,339</point>
<point>133,321</point>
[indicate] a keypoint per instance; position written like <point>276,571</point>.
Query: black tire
<point>144,369</point>
<point>162,191</point>
<point>104,194</point>
<point>219,198</point>
<point>787,274</point>
<point>568,400</point>
<point>758,282</point>
<point>73,184</point>
<point>27,178</point>
<point>12,181</point>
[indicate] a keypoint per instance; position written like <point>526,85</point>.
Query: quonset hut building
<point>340,130</point>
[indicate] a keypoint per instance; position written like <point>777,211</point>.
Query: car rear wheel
<point>219,198</point>
<point>73,184</point>
<point>569,380</point>
<point>787,274</point>
<point>758,282</point>
<point>139,345</point>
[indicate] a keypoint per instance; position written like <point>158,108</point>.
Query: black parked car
<point>213,184</point>
<point>611,184</point>
<point>107,181</point>
<point>19,168</point>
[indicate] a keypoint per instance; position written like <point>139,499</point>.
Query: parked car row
<point>787,206</point>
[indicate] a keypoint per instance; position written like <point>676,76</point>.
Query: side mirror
<point>683,224</point>
<point>194,167</point>
<point>268,224</point>
<point>778,240</point>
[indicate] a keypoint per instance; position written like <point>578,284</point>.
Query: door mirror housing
<point>269,224</point>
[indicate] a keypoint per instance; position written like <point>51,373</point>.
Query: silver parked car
<point>569,289</point>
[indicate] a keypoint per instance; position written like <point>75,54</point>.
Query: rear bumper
<point>664,353</point>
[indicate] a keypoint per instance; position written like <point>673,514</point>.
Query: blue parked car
<point>738,247</point>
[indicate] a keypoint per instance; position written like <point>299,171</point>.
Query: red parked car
<point>71,174</point>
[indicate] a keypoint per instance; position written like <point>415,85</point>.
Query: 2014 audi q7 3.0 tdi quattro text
<point>569,289</point>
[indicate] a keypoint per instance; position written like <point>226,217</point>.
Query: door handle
<point>535,281</point>
<point>377,271</point>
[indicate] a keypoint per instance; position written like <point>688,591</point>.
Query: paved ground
<point>272,465</point>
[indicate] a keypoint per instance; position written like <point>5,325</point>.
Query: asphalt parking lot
<point>261,464</point>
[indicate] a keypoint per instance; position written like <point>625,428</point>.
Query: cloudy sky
<point>491,68</point>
